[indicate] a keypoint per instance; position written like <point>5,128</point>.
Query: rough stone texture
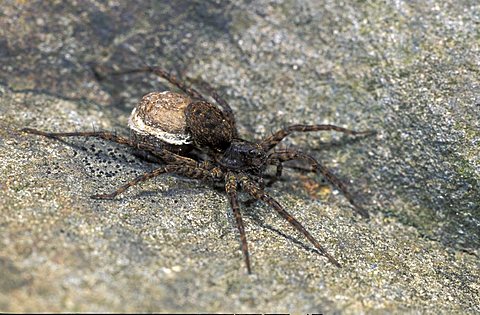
<point>405,68</point>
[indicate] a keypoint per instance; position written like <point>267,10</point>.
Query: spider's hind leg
<point>158,152</point>
<point>106,135</point>
<point>159,72</point>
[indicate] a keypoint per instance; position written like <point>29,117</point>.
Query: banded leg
<point>187,171</point>
<point>136,180</point>
<point>231,189</point>
<point>271,141</point>
<point>163,74</point>
<point>278,157</point>
<point>165,155</point>
<point>110,136</point>
<point>259,194</point>
<point>278,163</point>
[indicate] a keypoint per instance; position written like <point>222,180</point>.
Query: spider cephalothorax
<point>245,156</point>
<point>192,137</point>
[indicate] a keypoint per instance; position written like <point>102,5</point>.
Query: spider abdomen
<point>177,123</point>
<point>209,126</point>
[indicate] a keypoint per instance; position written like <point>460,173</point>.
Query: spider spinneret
<point>194,138</point>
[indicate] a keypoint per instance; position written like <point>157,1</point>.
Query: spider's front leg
<point>278,157</point>
<point>231,189</point>
<point>271,141</point>
<point>257,193</point>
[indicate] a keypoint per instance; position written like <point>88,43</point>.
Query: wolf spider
<point>214,151</point>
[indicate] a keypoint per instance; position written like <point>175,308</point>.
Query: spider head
<point>244,155</point>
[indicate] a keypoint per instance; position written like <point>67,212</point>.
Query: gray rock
<point>170,245</point>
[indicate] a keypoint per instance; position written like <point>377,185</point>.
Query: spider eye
<point>254,153</point>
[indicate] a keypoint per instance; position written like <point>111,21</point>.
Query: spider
<point>192,137</point>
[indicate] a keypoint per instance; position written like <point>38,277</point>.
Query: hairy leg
<point>279,165</point>
<point>279,170</point>
<point>165,155</point>
<point>188,171</point>
<point>136,180</point>
<point>278,157</point>
<point>259,194</point>
<point>231,189</point>
<point>271,141</point>
<point>161,73</point>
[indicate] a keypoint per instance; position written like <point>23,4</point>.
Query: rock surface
<point>405,69</point>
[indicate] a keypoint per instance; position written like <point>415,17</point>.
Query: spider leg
<point>271,141</point>
<point>261,184</point>
<point>193,172</point>
<point>278,157</point>
<point>279,171</point>
<point>136,180</point>
<point>231,189</point>
<point>110,136</point>
<point>259,194</point>
<point>165,155</point>
<point>279,164</point>
<point>161,73</point>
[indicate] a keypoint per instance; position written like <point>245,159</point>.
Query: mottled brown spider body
<point>168,126</point>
